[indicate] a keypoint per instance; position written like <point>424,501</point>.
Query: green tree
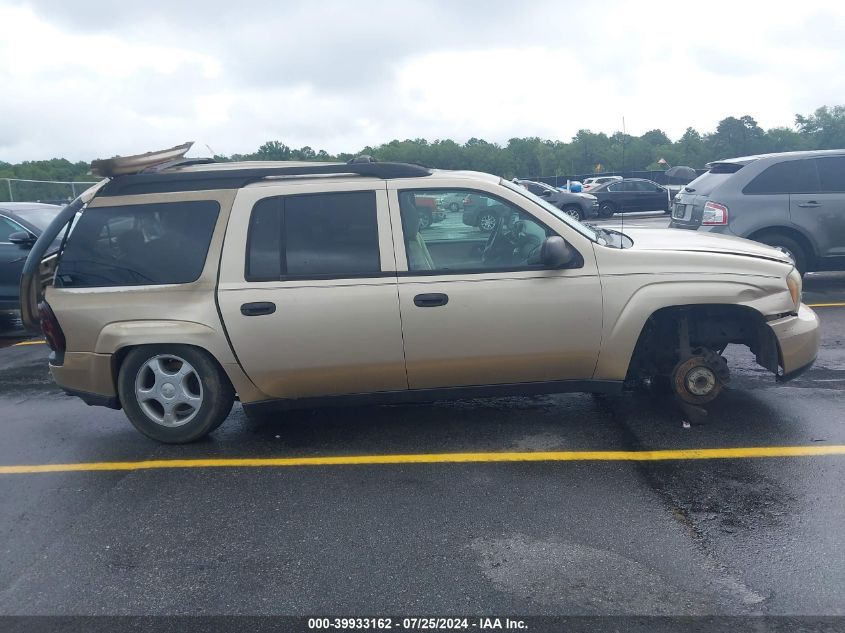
<point>826,127</point>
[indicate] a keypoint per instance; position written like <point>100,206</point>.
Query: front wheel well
<point>661,343</point>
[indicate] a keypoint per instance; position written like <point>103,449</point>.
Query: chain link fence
<point>49,191</point>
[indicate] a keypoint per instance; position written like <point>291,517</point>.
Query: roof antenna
<point>622,228</point>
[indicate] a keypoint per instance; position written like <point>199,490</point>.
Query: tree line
<point>587,152</point>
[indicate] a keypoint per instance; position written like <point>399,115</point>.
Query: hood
<point>695,241</point>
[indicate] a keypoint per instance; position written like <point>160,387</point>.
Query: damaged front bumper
<point>798,342</point>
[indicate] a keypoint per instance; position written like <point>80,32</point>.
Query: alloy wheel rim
<point>169,390</point>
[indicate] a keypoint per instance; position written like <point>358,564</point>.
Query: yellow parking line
<point>437,458</point>
<point>30,343</point>
<point>826,305</point>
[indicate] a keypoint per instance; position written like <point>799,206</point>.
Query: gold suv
<point>182,285</point>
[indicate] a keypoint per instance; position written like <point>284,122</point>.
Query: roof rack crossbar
<point>164,181</point>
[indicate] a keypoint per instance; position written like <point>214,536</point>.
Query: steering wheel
<point>491,239</point>
<point>496,250</point>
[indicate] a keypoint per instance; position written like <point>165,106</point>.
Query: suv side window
<point>461,246</point>
<point>322,235</point>
<point>831,174</point>
<point>617,186</point>
<point>789,176</point>
<point>139,244</point>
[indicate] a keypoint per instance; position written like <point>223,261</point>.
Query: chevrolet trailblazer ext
<point>183,284</point>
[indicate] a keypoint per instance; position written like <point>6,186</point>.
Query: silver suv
<point>182,286</point>
<point>794,201</point>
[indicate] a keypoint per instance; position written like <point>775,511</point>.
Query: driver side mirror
<point>555,252</point>
<point>22,238</point>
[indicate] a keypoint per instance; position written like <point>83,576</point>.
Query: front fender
<point>626,314</point>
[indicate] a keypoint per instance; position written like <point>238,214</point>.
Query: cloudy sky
<point>83,79</point>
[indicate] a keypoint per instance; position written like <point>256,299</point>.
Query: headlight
<point>794,283</point>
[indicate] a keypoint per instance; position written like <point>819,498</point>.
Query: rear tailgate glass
<point>708,181</point>
<point>144,244</point>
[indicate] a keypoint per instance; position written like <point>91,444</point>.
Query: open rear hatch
<point>40,267</point>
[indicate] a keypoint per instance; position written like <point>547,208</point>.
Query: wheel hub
<point>168,390</point>
<point>700,381</point>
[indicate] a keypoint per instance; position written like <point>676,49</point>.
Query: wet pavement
<point>723,536</point>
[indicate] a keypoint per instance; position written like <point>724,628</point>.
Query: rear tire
<point>487,222</point>
<point>573,211</point>
<point>174,393</point>
<point>425,221</point>
<point>606,210</point>
<point>788,244</point>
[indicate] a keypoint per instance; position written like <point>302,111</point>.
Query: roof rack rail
<point>198,180</point>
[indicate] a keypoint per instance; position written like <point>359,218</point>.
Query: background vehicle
<point>580,206</point>
<point>794,201</point>
<point>482,212</point>
<point>430,212</point>
<point>452,202</point>
<point>630,194</point>
<point>20,224</point>
<point>595,181</point>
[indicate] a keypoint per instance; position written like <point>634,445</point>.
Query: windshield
<point>575,224</point>
<point>41,218</point>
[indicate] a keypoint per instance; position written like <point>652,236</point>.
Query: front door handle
<point>810,204</point>
<point>431,300</point>
<point>258,308</point>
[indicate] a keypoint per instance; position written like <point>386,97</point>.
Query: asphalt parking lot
<point>603,526</point>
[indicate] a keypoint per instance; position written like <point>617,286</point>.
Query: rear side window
<point>789,176</point>
<point>831,174</point>
<point>135,245</point>
<point>313,236</point>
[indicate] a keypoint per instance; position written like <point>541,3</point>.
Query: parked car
<point>453,202</point>
<point>595,181</point>
<point>794,201</point>
<point>482,211</point>
<point>430,212</point>
<point>318,288</point>
<point>630,194</point>
<point>20,225</point>
<point>580,206</point>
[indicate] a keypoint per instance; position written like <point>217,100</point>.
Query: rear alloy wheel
<point>573,211</point>
<point>174,393</point>
<point>606,210</point>
<point>789,246</point>
<point>696,380</point>
<point>487,222</point>
<point>453,207</point>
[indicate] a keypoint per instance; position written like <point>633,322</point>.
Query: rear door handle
<point>258,308</point>
<point>431,300</point>
<point>810,204</point>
